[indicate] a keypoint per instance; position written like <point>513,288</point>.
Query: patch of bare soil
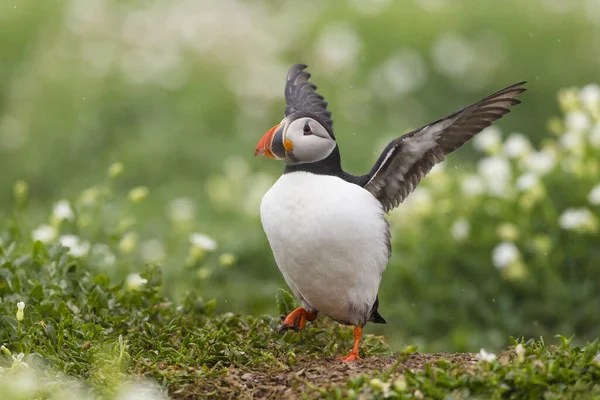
<point>309,376</point>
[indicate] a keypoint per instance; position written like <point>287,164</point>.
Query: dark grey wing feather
<point>407,159</point>
<point>300,95</point>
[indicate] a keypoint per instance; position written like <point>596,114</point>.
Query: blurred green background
<point>180,91</point>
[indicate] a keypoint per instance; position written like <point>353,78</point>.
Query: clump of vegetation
<point>72,322</point>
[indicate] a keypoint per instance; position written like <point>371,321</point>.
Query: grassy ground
<point>75,332</point>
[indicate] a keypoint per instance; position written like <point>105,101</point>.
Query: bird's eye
<point>307,130</point>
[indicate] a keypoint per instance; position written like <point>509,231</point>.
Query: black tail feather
<point>375,316</point>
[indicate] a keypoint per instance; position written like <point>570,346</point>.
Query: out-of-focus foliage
<point>180,91</point>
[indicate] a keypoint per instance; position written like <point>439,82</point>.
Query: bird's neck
<point>332,165</point>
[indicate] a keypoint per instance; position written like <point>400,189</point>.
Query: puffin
<point>326,227</point>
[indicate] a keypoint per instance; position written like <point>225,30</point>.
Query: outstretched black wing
<point>406,160</point>
<point>301,96</point>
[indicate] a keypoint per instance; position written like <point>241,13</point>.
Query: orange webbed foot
<point>296,320</point>
<point>352,356</point>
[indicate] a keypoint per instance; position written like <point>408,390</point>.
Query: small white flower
<point>577,120</point>
<point>594,195</point>
<point>488,140</point>
<point>182,209</point>
<point>520,352</point>
<point>505,254</point>
<point>590,97</point>
<point>472,185</point>
<point>18,361</point>
<point>540,162</point>
<point>20,312</point>
<point>485,356</point>
<point>577,219</point>
<point>517,145</point>
<point>203,241</point>
<point>460,229</point>
<point>135,282</point>
<point>153,251</point>
<point>527,181</point>
<point>77,248</point>
<point>62,210</point>
<point>43,233</point>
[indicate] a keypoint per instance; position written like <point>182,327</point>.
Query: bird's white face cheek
<point>307,149</point>
<point>307,141</point>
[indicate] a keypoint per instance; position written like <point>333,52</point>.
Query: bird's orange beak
<point>271,144</point>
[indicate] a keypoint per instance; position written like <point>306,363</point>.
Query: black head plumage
<point>303,100</point>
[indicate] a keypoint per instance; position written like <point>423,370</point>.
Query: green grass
<point>78,331</point>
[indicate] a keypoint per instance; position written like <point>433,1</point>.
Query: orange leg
<point>353,355</point>
<point>297,320</point>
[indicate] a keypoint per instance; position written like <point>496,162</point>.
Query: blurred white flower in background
<point>138,194</point>
<point>402,73</point>
<point>577,120</point>
<point>44,233</point>
<point>594,195</point>
<point>504,254</point>
<point>539,162</point>
<point>577,219</point>
<point>203,241</point>
<point>488,140</point>
<point>453,55</point>
<point>338,47</point>
<point>507,232</point>
<point>77,248</point>
<point>62,210</point>
<point>590,96</point>
<point>572,140</point>
<point>472,185</point>
<point>135,282</point>
<point>128,242</point>
<point>227,259</point>
<point>153,251</point>
<point>497,173</point>
<point>460,229</point>
<point>568,99</point>
<point>182,209</point>
<point>103,254</point>
<point>485,356</point>
<point>516,145</point>
<point>527,181</point>
<point>420,201</point>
